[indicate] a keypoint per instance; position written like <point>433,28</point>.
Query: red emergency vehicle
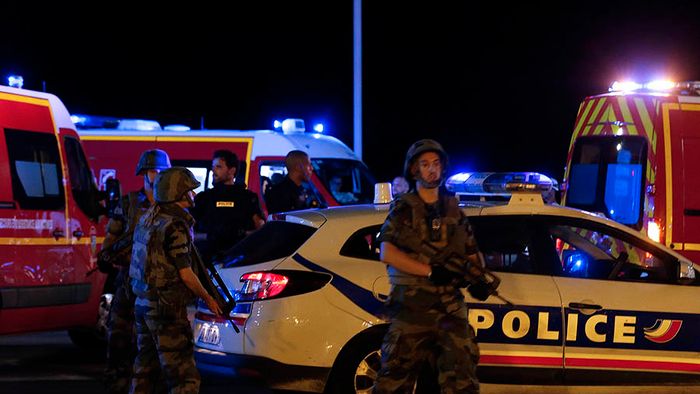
<point>114,145</point>
<point>49,233</point>
<point>635,157</point>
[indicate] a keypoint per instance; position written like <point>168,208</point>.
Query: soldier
<point>164,283</point>
<point>227,212</point>
<point>121,344</point>
<point>290,194</point>
<point>426,308</point>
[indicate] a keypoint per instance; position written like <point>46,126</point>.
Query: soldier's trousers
<point>165,343</point>
<point>121,342</point>
<point>427,328</point>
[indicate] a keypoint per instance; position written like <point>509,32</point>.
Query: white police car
<point>594,302</point>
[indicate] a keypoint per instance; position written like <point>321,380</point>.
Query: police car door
<point>522,343</point>
<point>627,318</point>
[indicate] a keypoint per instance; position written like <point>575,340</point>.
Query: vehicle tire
<point>357,366</point>
<point>93,337</point>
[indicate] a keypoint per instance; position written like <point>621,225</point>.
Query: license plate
<point>209,334</point>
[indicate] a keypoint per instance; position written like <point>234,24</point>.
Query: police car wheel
<point>357,366</point>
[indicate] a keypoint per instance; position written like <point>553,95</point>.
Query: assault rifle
<point>479,281</point>
<point>225,301</point>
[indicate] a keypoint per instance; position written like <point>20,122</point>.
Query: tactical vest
<point>453,235</point>
<point>150,269</point>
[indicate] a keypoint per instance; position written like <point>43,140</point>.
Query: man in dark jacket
<point>290,193</point>
<point>228,211</point>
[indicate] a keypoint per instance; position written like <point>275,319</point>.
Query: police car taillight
<point>262,285</point>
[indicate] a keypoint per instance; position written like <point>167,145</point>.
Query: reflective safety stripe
<point>48,241</point>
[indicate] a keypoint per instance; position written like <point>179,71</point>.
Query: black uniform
<point>287,196</point>
<point>225,213</point>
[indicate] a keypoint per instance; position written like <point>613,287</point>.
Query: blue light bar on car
<point>499,183</point>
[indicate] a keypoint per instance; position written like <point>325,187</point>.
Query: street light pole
<point>357,77</point>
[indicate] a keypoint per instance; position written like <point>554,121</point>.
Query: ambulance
<point>634,156</point>
<point>114,145</point>
<point>49,229</point>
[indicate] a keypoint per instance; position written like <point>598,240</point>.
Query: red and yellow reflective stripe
<point>665,113</point>
<point>50,241</point>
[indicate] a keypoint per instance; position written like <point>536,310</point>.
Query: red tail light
<point>262,285</point>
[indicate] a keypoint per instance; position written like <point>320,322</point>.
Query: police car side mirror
<point>112,197</point>
<point>686,272</point>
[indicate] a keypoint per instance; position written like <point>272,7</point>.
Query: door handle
<point>578,305</point>
<point>78,234</point>
<point>691,212</point>
<point>57,233</point>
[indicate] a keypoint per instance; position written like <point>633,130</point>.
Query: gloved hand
<point>480,290</point>
<point>440,275</point>
<point>103,264</point>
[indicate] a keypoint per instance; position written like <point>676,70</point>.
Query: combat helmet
<point>153,159</point>
<point>172,183</point>
<point>417,149</point>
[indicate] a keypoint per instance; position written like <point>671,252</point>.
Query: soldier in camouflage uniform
<point>121,344</point>
<point>426,307</point>
<point>164,283</point>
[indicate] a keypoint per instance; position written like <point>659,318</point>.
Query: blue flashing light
<point>276,124</point>
<point>318,127</point>
<point>498,183</point>
<point>15,81</point>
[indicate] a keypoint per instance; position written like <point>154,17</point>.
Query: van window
<point>201,169</point>
<point>607,175</point>
<point>81,179</point>
<point>349,181</point>
<point>35,168</point>
<point>274,240</point>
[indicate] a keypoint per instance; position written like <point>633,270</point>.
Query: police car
<point>593,301</point>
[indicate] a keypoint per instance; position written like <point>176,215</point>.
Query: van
<point>634,157</point>
<point>49,228</point>
<point>114,145</point>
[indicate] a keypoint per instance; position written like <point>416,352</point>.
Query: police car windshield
<point>607,175</point>
<point>274,240</point>
<point>348,181</point>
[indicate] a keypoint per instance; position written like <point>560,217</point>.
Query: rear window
<point>274,240</point>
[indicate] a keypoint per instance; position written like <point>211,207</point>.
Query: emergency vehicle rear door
<point>685,161</point>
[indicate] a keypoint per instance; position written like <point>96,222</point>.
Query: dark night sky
<point>498,85</point>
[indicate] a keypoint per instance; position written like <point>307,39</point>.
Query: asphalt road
<point>49,363</point>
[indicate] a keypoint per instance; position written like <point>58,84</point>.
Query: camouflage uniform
<point>428,322</point>
<point>121,344</point>
<point>162,246</point>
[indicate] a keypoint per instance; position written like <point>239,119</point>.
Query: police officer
<point>426,308</point>
<point>164,283</point>
<point>290,194</point>
<point>228,211</point>
<point>121,346</point>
